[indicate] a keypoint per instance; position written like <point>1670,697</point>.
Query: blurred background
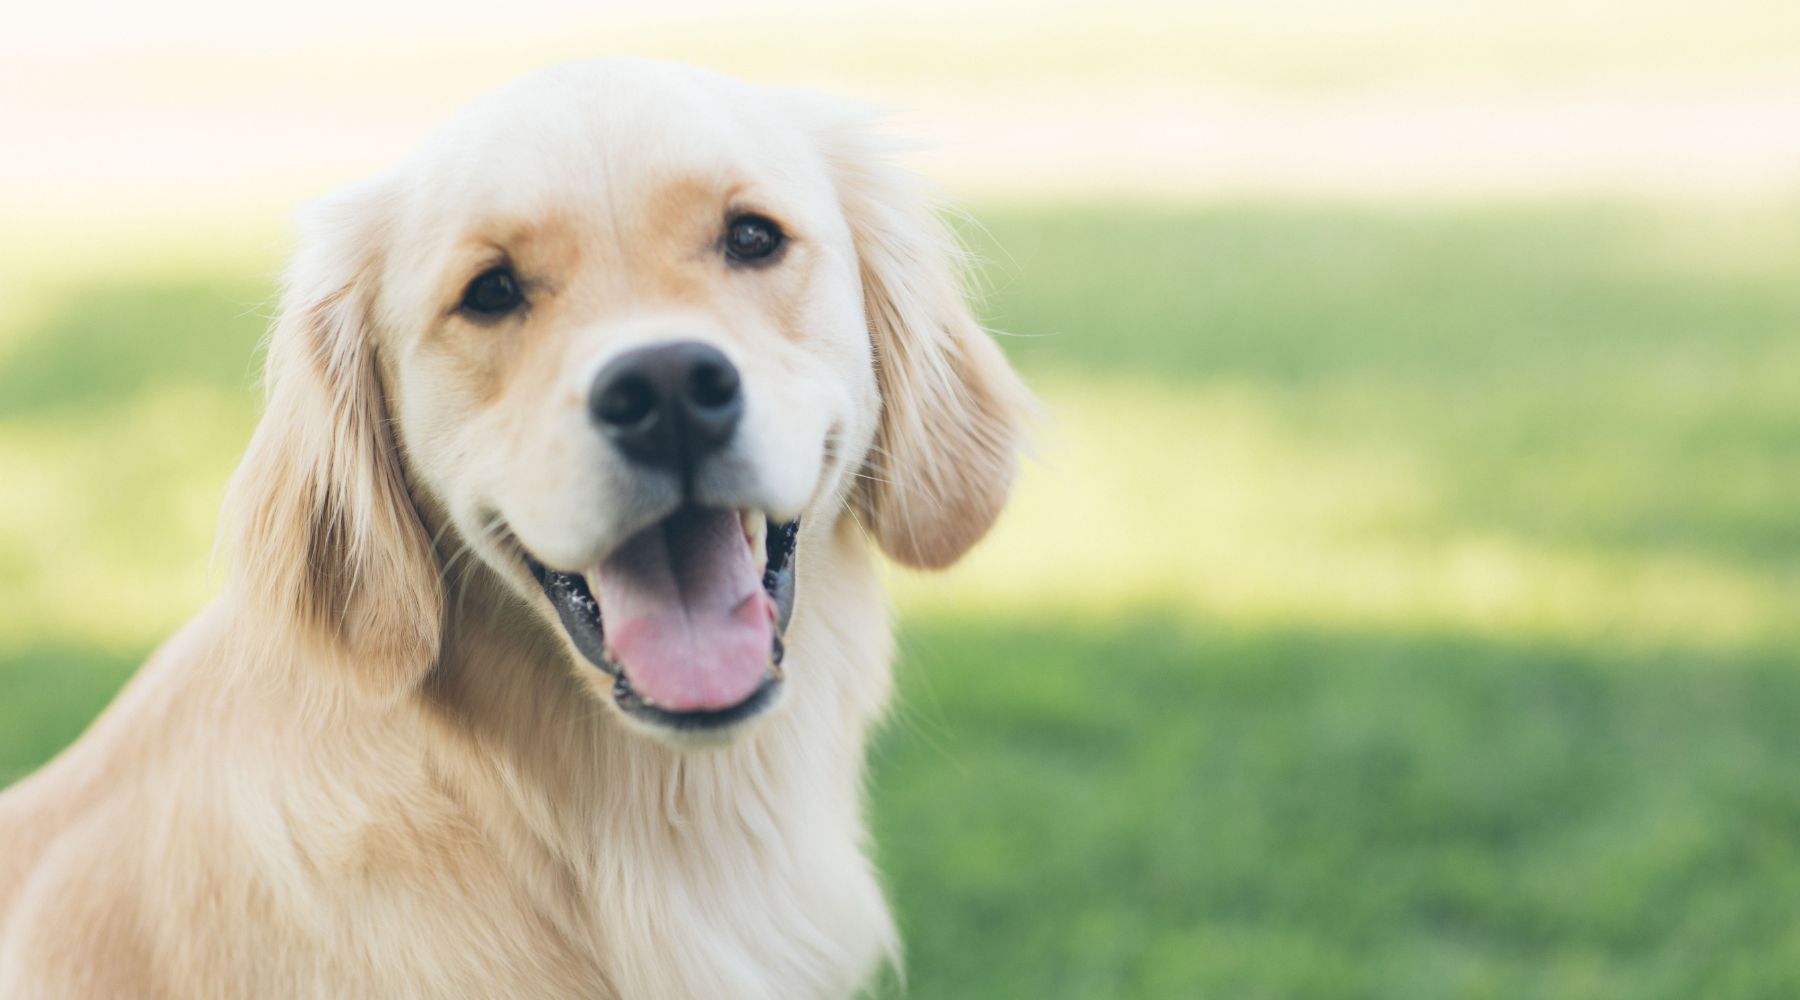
<point>1406,598</point>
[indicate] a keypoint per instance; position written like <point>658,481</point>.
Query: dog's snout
<point>668,405</point>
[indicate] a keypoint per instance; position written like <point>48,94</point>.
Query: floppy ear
<point>327,539</point>
<point>951,408</point>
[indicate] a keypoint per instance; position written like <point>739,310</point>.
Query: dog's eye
<point>751,238</point>
<point>494,292</point>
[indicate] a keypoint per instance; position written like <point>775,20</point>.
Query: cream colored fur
<point>374,767</point>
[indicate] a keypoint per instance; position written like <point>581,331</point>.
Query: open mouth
<point>686,615</point>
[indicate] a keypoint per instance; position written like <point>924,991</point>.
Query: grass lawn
<point>1403,604</point>
<point>1163,809</point>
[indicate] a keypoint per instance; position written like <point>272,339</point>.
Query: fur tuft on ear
<point>327,539</point>
<point>951,407</point>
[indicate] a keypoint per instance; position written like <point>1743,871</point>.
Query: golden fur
<point>374,767</point>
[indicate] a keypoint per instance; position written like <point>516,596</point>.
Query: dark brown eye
<point>494,292</point>
<point>751,238</point>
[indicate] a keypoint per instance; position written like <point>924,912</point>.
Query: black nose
<point>668,405</point>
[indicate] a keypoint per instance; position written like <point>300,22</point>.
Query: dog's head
<point>632,333</point>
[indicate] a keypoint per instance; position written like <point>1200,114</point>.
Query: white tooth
<point>592,576</point>
<point>756,532</point>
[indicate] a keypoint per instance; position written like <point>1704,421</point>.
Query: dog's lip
<point>636,706</point>
<point>579,614</point>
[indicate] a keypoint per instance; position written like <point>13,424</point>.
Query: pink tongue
<point>685,613</point>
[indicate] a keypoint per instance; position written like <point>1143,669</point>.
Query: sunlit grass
<point>1219,502</point>
<point>110,517</point>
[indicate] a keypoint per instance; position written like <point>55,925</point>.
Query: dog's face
<point>627,353</point>
<point>626,322</point>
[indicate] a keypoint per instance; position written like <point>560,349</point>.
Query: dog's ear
<point>327,538</point>
<point>952,409</point>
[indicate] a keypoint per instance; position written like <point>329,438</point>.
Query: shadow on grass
<point>107,343</point>
<point>1305,294</point>
<point>1154,810</point>
<point>48,695</point>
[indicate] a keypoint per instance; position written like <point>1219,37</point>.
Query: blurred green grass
<point>1403,606</point>
<point>1160,808</point>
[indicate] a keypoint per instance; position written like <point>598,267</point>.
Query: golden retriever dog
<point>553,630</point>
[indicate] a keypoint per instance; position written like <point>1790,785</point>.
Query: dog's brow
<point>677,200</point>
<point>520,236</point>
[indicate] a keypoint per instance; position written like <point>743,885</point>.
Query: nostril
<point>668,405</point>
<point>627,402</point>
<point>713,385</point>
